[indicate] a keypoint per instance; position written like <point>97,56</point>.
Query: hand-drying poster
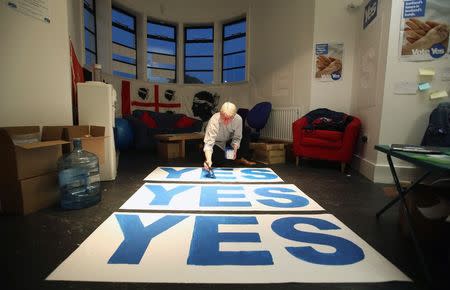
<point>424,30</point>
<point>329,61</point>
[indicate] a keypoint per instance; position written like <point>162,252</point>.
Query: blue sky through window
<point>161,52</point>
<point>124,47</point>
<point>234,51</point>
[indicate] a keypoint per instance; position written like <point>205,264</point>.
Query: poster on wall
<point>424,30</point>
<point>329,61</point>
<point>34,8</point>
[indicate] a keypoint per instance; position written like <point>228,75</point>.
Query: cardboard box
<point>28,172</point>
<point>169,150</point>
<point>267,146</point>
<point>269,153</point>
<point>92,138</point>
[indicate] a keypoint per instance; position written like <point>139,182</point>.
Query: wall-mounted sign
<point>370,12</point>
<point>424,30</point>
<point>329,61</point>
<point>35,8</point>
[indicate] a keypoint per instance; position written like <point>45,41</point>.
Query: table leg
<point>402,192</point>
<point>182,149</point>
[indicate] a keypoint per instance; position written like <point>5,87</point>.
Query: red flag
<point>77,77</point>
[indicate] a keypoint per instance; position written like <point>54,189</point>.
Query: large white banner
<point>229,197</point>
<point>190,248</point>
<point>198,174</point>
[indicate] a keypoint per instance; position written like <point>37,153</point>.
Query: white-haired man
<point>223,129</point>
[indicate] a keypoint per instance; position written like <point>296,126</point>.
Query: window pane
<point>121,18</point>
<point>90,58</point>
<point>234,28</point>
<point>198,77</point>
<point>234,75</point>
<point>89,40</point>
<point>200,33</point>
<point>234,60</point>
<point>234,45</point>
<point>160,30</point>
<point>162,61</point>
<point>196,63</point>
<point>89,20</point>
<point>89,3</point>
<point>161,76</point>
<point>124,75</point>
<point>124,58</point>
<point>161,46</point>
<point>158,79</point>
<point>123,37</point>
<point>199,49</point>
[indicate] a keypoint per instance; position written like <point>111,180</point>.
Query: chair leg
<point>297,160</point>
<point>343,167</point>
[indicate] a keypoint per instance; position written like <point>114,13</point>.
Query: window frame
<point>175,39</point>
<point>198,56</point>
<point>93,13</point>
<point>240,35</point>
<point>117,25</point>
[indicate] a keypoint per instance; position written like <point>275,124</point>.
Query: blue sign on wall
<point>321,48</point>
<point>414,8</point>
<point>370,12</point>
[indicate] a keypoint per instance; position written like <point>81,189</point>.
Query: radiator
<point>279,125</point>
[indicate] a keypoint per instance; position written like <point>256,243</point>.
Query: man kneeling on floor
<point>226,129</point>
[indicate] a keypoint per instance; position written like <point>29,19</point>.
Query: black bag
<point>438,130</point>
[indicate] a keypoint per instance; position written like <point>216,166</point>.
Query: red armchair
<point>324,144</point>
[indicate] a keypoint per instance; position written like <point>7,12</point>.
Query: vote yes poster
<point>329,61</point>
<point>424,30</point>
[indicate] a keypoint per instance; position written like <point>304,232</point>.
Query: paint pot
<point>229,153</point>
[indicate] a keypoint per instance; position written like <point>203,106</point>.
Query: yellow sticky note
<point>426,71</point>
<point>439,94</point>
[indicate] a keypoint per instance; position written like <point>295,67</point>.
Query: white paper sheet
<point>405,88</point>
<point>226,175</point>
<point>223,197</point>
<point>188,248</point>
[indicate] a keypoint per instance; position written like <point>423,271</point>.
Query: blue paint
<point>258,174</point>
<point>163,196</point>
<point>137,237</point>
<point>220,173</point>
<point>346,251</point>
<point>176,174</point>
<point>276,192</point>
<point>206,238</point>
<point>210,196</point>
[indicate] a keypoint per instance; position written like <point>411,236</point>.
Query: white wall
<point>334,22</point>
<point>368,83</point>
<point>405,117</point>
<point>281,38</point>
<point>35,68</point>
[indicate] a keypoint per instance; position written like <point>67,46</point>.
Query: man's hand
<point>207,165</point>
<point>235,147</point>
<point>208,157</point>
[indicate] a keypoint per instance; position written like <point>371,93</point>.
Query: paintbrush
<point>210,172</point>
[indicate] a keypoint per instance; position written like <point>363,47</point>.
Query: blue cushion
<point>257,117</point>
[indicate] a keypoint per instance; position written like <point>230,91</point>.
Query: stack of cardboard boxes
<point>269,153</point>
<point>29,173</point>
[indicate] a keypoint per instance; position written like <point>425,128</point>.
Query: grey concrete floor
<point>33,246</point>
